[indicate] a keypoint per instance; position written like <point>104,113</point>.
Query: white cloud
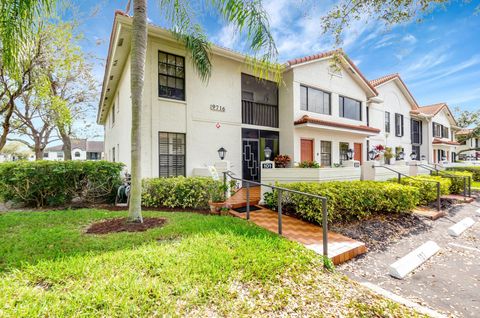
<point>410,39</point>
<point>227,36</point>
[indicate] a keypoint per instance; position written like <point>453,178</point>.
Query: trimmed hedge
<point>457,183</point>
<point>349,200</point>
<point>181,192</point>
<point>427,189</point>
<point>51,183</point>
<point>475,170</point>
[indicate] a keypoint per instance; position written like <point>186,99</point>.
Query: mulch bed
<point>382,230</point>
<point>123,225</point>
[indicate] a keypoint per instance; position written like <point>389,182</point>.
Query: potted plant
<point>388,155</point>
<point>217,198</point>
<point>282,161</point>
<point>309,164</point>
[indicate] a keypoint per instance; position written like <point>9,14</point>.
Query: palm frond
<point>17,22</point>
<point>190,33</point>
<point>248,16</point>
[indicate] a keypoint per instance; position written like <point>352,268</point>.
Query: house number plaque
<point>217,108</point>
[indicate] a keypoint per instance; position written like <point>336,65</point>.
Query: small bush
<point>457,183</point>
<point>181,192</point>
<point>427,188</point>
<point>309,164</point>
<point>475,170</point>
<point>50,183</point>
<point>349,200</point>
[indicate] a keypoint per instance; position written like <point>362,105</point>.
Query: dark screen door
<point>250,160</point>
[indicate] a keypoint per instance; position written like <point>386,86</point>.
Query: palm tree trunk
<point>137,67</point>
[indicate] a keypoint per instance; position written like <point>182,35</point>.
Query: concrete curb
<point>399,299</point>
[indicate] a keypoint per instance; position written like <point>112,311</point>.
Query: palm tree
<point>17,24</point>
<point>244,15</point>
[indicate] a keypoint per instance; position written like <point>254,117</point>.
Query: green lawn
<point>194,266</point>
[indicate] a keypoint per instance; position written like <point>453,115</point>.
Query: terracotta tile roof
<point>312,57</point>
<point>328,54</point>
<point>437,141</point>
<point>307,119</point>
<point>432,109</point>
<point>389,77</point>
<point>383,79</point>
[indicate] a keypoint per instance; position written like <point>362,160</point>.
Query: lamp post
<point>413,156</point>
<point>222,152</point>
<point>350,154</point>
<point>371,155</point>
<point>268,153</point>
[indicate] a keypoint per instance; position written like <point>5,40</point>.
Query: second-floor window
<point>440,131</point>
<point>350,108</point>
<point>171,76</point>
<point>315,100</point>
<point>399,125</point>
<point>387,122</point>
<point>416,132</point>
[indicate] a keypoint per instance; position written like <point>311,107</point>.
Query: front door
<point>306,150</point>
<point>357,150</point>
<point>254,142</point>
<point>250,159</point>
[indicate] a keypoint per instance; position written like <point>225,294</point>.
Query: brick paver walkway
<point>340,248</point>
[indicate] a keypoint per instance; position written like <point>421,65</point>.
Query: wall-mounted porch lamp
<point>222,152</point>
<point>349,154</point>
<point>423,157</point>
<point>371,154</point>
<point>268,153</point>
<point>400,155</point>
<point>413,155</point>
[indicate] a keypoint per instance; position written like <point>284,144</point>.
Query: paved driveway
<point>449,282</point>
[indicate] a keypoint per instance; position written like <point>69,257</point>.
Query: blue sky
<point>439,58</point>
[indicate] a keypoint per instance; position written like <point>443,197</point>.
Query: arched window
<point>77,154</point>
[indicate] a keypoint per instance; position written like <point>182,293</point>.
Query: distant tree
<point>74,89</point>
<point>13,84</point>
<point>16,150</point>
<point>34,121</point>
<point>470,121</point>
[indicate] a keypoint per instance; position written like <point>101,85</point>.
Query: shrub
<point>475,170</point>
<point>181,192</point>
<point>457,183</point>
<point>349,200</point>
<point>427,188</point>
<point>309,164</point>
<point>42,183</point>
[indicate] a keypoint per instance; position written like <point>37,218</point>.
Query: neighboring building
<point>82,149</point>
<point>469,149</point>
<point>400,130</point>
<point>323,110</point>
<point>319,112</point>
<point>440,132</point>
